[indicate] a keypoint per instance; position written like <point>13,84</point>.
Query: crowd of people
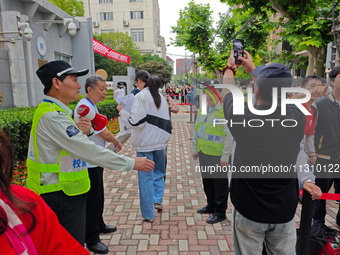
<point>179,93</point>
<point>66,158</point>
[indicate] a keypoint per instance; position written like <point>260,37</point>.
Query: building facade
<point>139,18</point>
<point>34,32</point>
<point>171,63</point>
<point>184,66</point>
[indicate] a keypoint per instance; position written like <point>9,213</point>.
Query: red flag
<point>107,52</point>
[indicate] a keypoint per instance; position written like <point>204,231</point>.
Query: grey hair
<point>91,82</point>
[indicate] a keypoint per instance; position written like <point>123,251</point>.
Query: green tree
<point>303,28</point>
<point>236,24</point>
<point>195,31</point>
<point>156,68</point>
<point>72,7</point>
<point>254,34</point>
<point>149,57</point>
<point>122,43</point>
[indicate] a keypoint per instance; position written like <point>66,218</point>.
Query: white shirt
<point>119,93</point>
<point>96,138</point>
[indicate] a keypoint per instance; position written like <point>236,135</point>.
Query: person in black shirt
<point>327,145</point>
<point>135,90</point>
<point>264,203</point>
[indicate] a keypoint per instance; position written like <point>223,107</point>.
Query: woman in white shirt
<point>150,126</point>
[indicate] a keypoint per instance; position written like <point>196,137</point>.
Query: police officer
<point>58,149</point>
<point>213,145</point>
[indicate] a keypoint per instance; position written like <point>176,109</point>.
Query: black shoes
<point>205,210</point>
<point>108,229</point>
<point>99,248</point>
<point>215,219</point>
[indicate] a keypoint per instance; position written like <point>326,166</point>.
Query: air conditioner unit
<point>95,24</point>
<point>125,23</point>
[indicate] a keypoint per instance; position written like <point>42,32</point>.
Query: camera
<point>238,47</point>
<point>28,33</point>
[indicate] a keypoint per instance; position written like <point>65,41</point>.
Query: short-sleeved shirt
<point>264,200</point>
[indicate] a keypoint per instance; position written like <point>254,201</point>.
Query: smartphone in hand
<point>238,47</point>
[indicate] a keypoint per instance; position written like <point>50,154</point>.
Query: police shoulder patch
<point>72,130</point>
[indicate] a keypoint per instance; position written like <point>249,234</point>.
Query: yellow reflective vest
<point>212,140</point>
<point>73,174</point>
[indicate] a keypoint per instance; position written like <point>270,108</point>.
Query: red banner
<point>107,52</point>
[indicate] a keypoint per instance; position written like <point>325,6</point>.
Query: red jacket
<point>48,236</point>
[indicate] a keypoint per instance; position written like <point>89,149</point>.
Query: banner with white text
<point>107,52</point>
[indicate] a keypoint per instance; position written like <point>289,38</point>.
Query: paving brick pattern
<point>178,229</point>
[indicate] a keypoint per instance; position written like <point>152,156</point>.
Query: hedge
<point>17,122</point>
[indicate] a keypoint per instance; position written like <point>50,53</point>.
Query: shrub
<point>17,122</point>
<point>108,108</point>
<point>109,94</point>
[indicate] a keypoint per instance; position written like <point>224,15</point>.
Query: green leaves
<point>301,22</point>
<point>156,68</point>
<point>17,123</point>
<point>72,7</point>
<point>195,31</point>
<point>122,43</point>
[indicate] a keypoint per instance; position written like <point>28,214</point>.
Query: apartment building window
<point>136,15</point>
<point>137,34</point>
<point>60,56</point>
<point>105,1</point>
<point>106,16</point>
<point>136,0</point>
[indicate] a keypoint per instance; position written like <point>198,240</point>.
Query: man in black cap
<point>264,201</point>
<point>58,149</point>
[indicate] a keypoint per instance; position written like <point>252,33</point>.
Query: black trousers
<point>319,209</point>
<point>215,185</point>
<point>95,206</point>
<point>70,211</point>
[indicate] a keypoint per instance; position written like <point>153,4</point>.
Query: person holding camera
<point>264,203</point>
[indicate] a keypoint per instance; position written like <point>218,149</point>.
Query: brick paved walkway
<point>178,229</point>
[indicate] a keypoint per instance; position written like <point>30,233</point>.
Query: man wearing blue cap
<point>264,201</point>
<point>58,149</point>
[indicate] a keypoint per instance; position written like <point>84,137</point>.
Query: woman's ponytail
<point>154,83</point>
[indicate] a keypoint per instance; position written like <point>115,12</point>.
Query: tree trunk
<point>280,10</point>
<point>316,60</point>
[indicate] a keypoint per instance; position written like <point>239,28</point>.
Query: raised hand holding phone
<point>238,47</point>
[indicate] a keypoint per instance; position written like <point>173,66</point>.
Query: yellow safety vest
<point>73,174</point>
<point>212,141</point>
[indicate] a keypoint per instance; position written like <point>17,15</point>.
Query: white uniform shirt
<point>119,93</point>
<point>53,136</point>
